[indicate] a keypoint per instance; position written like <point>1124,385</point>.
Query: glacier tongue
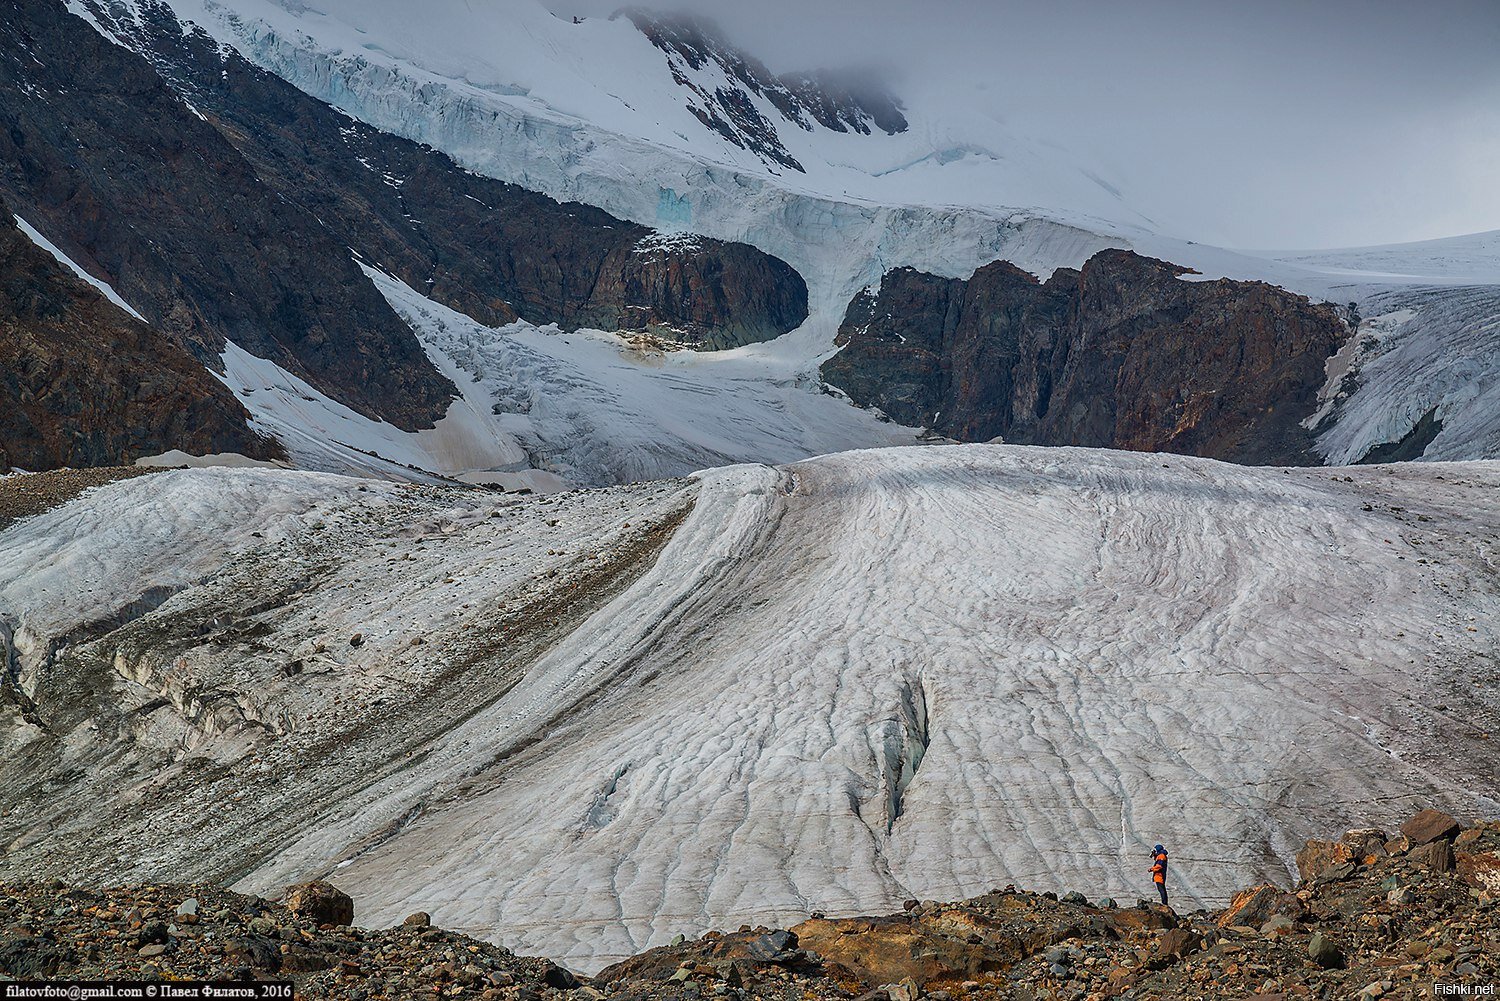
<point>1093,651</point>
<point>841,683</point>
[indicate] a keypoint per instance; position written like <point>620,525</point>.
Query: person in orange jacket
<point>1159,871</point>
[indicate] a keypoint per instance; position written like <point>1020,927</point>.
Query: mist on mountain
<point>1342,124</point>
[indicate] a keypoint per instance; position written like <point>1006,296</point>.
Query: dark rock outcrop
<point>1256,905</point>
<point>101,156</point>
<point>1429,826</point>
<point>83,383</point>
<point>1122,354</point>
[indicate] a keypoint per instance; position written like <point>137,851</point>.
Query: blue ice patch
<point>672,209</point>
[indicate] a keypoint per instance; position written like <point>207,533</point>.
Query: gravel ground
<point>25,494</point>
<point>1375,917</point>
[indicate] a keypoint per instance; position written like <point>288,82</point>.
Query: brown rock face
<point>1435,857</point>
<point>1122,354</point>
<point>321,903</point>
<point>1180,943</point>
<point>1429,826</point>
<point>82,383</point>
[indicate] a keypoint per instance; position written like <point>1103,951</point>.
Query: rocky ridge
<point>103,158</point>
<point>839,102</point>
<point>1374,916</point>
<point>1123,353</point>
<point>83,383</point>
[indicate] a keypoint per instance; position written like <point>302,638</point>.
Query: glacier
<point>833,684</point>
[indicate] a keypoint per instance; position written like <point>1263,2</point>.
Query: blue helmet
<point>1158,849</point>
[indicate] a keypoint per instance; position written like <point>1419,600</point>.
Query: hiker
<point>1159,871</point>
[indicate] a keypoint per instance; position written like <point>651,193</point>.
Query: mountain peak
<point>736,96</point>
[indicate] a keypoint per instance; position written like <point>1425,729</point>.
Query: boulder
<point>556,977</point>
<point>421,919</point>
<point>301,959</point>
<point>1259,904</point>
<point>1435,857</point>
<point>254,951</point>
<point>1179,942</point>
<point>1318,857</point>
<point>775,947</point>
<point>1279,925</point>
<point>154,933</point>
<point>1325,952</point>
<point>1429,826</point>
<point>321,903</point>
<point>1477,857</point>
<point>1366,845</point>
<point>888,950</point>
<point>906,990</point>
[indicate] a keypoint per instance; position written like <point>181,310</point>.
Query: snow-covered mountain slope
<point>597,112</point>
<point>841,683</point>
<point>667,81</point>
<point>1419,379</point>
<point>543,409</point>
<point>1473,259</point>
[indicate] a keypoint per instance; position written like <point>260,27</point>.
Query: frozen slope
<point>544,409</point>
<point>844,682</point>
<point>922,673</point>
<point>594,409</point>
<point>1426,358</point>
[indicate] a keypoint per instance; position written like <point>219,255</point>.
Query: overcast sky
<point>1264,123</point>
